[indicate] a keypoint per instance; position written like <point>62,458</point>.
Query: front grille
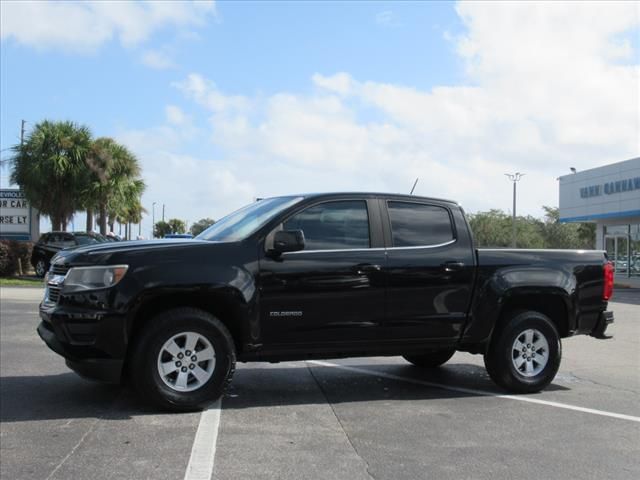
<point>54,294</point>
<point>59,269</point>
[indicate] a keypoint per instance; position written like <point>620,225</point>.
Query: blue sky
<point>227,101</point>
<point>257,48</point>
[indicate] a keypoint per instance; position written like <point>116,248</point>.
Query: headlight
<point>92,278</point>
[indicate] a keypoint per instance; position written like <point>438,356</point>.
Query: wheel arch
<point>225,303</point>
<point>553,304</point>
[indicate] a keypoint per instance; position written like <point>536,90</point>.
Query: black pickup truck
<point>318,276</point>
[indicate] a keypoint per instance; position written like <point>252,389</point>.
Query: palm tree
<point>129,208</point>
<point>50,168</point>
<point>115,171</point>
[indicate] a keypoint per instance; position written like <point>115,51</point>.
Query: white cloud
<point>191,187</point>
<point>340,83</point>
<point>175,115</point>
<point>85,26</point>
<point>549,87</point>
<point>205,93</point>
<point>157,59</point>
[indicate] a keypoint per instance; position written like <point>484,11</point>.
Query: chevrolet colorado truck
<point>318,276</point>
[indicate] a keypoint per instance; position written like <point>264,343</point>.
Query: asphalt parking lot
<point>350,419</point>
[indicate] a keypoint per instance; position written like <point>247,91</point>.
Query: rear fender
<point>546,290</point>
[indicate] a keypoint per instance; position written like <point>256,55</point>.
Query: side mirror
<point>288,241</point>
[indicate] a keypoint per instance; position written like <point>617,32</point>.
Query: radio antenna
<point>414,186</point>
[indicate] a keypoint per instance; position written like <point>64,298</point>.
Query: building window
<point>622,243</point>
<point>634,243</point>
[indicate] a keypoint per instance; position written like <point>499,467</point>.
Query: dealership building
<point>608,196</point>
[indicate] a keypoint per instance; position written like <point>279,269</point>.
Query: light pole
<point>153,220</point>
<point>515,178</point>
<point>163,212</point>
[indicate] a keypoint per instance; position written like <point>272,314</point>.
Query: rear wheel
<point>525,354</point>
<point>184,359</point>
<point>430,359</point>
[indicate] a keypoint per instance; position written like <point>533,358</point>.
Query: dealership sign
<point>15,215</point>
<point>609,188</point>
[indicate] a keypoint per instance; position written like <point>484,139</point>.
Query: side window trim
<point>367,205</point>
<point>389,240</point>
<point>415,247</point>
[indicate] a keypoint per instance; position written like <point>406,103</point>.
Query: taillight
<point>607,293</point>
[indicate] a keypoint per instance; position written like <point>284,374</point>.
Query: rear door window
<point>417,224</point>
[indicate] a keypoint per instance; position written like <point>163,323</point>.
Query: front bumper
<point>91,342</point>
<point>605,319</point>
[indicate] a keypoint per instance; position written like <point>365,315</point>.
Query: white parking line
<point>471,391</point>
<point>203,452</point>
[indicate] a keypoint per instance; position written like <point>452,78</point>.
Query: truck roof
<point>370,194</point>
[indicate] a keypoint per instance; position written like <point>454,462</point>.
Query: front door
<point>333,290</point>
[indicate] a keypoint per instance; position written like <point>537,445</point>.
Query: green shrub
<point>10,252</point>
<point>5,258</point>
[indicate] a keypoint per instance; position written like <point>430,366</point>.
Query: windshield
<point>242,223</point>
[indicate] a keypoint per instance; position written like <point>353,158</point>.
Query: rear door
<point>430,267</point>
<point>333,290</point>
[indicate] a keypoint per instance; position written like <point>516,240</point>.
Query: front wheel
<point>41,267</point>
<point>525,354</point>
<point>184,358</point>
<point>430,359</point>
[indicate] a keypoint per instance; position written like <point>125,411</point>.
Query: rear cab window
<point>419,225</point>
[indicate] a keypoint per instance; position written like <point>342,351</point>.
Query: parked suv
<point>51,243</point>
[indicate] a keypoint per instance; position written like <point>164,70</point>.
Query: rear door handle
<point>367,268</point>
<point>452,266</point>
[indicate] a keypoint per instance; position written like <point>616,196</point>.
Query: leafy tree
<point>174,225</point>
<point>566,235</point>
<point>201,225</point>
<point>494,229</point>
<point>50,168</point>
<point>161,229</point>
<point>177,225</point>
<point>587,235</point>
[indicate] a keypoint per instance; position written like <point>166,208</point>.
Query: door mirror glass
<point>288,241</point>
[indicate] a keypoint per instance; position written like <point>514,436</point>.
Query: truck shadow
<point>64,396</point>
<point>270,386</point>
<point>67,396</point>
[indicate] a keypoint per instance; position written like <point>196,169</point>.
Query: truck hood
<point>96,253</point>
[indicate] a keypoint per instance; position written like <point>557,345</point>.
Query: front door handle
<point>452,266</point>
<point>366,268</point>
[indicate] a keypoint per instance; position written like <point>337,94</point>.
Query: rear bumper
<point>605,319</point>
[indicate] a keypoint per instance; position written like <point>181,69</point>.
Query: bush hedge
<point>10,252</point>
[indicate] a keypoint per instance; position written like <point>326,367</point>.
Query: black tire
<point>502,357</point>
<point>41,267</point>
<point>144,366</point>
<point>430,359</point>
